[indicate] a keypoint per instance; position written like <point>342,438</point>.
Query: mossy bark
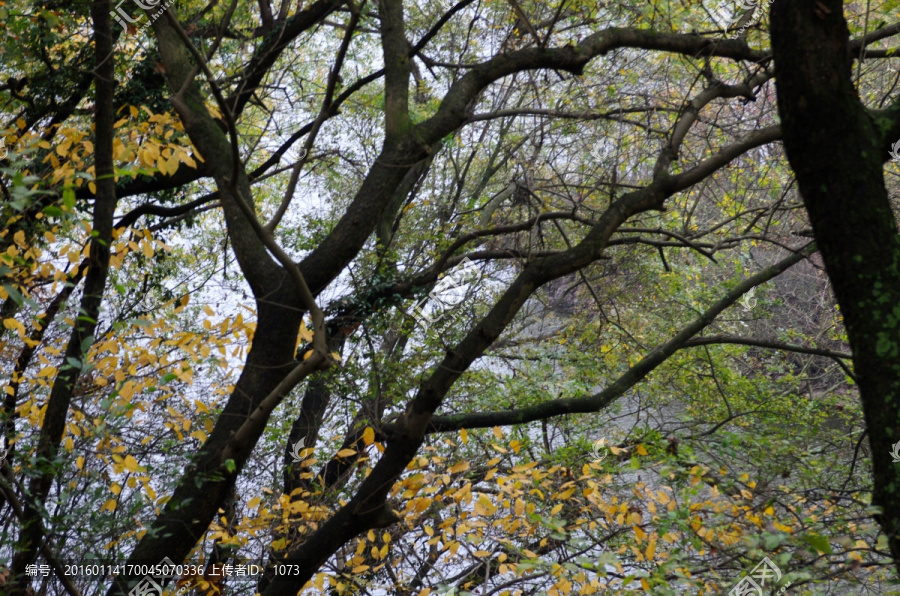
<point>838,153</point>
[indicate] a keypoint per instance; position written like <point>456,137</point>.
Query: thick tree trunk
<point>204,486</point>
<point>838,152</point>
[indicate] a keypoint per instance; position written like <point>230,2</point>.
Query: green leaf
<point>818,542</point>
<point>52,211</point>
<point>15,294</point>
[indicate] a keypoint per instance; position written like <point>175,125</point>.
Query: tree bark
<point>837,151</point>
<point>31,537</point>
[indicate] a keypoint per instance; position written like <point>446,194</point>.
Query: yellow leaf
<point>464,436</point>
<point>307,354</point>
<point>641,450</point>
<point>460,467</point>
<point>131,464</point>
<point>783,528</point>
<point>171,165</point>
<point>498,432</point>
<point>346,453</point>
<point>47,371</point>
<point>639,533</point>
<point>484,506</point>
<point>109,505</point>
<point>368,435</point>
<point>253,503</point>
<point>127,391</point>
<point>566,495</point>
<point>305,334</point>
<point>14,324</point>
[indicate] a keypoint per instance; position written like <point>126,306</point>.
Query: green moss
<point>886,346</point>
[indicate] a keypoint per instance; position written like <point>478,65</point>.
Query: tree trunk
<point>837,151</point>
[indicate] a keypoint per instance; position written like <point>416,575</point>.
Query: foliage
<point>746,441</point>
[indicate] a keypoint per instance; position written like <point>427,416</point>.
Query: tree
<point>852,219</point>
<point>577,214</point>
